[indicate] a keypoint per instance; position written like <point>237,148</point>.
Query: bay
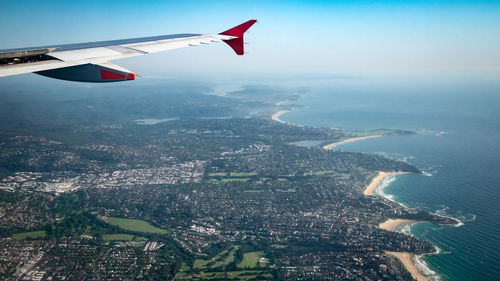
<point>457,145</point>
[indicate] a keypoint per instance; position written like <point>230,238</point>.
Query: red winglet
<point>238,31</point>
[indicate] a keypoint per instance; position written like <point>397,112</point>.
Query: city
<point>233,198</point>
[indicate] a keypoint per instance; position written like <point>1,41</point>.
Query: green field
<point>217,174</point>
<point>30,235</point>
<point>235,179</point>
<point>228,275</point>
<point>320,173</point>
<point>232,174</point>
<point>251,260</point>
<point>214,268</point>
<point>135,225</point>
<point>221,259</point>
<point>242,174</point>
<point>117,237</point>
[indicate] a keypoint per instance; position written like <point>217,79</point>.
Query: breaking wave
<point>432,170</point>
<point>459,216</point>
<point>431,132</point>
<point>396,156</point>
<point>380,190</point>
<point>423,267</point>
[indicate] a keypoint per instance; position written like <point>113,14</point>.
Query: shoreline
<point>276,116</point>
<point>407,259</point>
<point>370,188</point>
<point>334,144</point>
<point>393,224</point>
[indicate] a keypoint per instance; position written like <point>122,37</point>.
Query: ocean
<point>457,145</point>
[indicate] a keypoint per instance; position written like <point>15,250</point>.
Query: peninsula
<point>392,224</point>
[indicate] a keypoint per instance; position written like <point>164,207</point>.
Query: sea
<point>456,145</point>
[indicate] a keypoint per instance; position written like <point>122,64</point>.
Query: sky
<point>332,37</point>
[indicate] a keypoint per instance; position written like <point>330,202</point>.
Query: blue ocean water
<point>457,145</point>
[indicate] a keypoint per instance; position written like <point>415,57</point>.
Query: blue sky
<point>292,36</point>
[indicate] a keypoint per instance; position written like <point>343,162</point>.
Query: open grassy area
<point>235,179</point>
<point>135,225</point>
<point>367,174</point>
<point>251,260</point>
<point>320,173</point>
<point>184,267</point>
<point>217,174</point>
<point>232,174</point>
<point>228,275</point>
<point>30,235</point>
<point>213,269</point>
<point>242,174</point>
<point>117,237</point>
<point>223,258</point>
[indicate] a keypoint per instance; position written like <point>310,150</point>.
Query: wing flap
<point>25,53</point>
<point>83,54</point>
<point>33,67</point>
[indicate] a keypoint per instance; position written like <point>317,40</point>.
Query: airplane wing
<point>89,62</point>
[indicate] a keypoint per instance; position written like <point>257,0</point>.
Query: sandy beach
<point>332,145</point>
<point>377,179</point>
<point>407,260</point>
<point>276,115</point>
<point>392,224</point>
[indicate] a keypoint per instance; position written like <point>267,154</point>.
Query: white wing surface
<point>89,62</point>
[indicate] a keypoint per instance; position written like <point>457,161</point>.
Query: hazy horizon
<point>334,37</point>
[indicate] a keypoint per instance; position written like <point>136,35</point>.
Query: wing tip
<point>238,31</point>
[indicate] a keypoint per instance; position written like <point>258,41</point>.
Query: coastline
<point>407,259</point>
<point>370,188</point>
<point>392,224</point>
<point>334,144</point>
<point>276,116</point>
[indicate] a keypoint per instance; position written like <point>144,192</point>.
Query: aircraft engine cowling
<point>89,73</point>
